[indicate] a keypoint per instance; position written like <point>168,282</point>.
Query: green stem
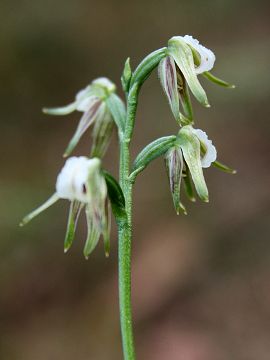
<point>125,233</point>
<point>125,227</point>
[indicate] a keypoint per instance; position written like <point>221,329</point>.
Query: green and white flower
<point>82,182</point>
<point>101,107</point>
<point>178,72</point>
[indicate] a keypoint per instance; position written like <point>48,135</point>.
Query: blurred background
<point>200,283</point>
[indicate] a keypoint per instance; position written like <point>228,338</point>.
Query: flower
<point>82,182</point>
<point>186,59</point>
<point>101,107</point>
<point>191,152</point>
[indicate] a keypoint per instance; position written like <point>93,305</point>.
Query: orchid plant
<point>84,182</point>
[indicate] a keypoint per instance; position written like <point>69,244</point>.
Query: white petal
<point>207,56</point>
<point>72,179</point>
<point>211,152</point>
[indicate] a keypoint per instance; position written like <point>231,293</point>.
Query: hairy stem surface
<point>125,232</point>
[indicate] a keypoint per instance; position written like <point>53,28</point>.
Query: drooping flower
<point>100,106</point>
<point>82,182</point>
<point>191,152</point>
<point>186,58</point>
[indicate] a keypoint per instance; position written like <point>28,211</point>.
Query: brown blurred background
<point>200,283</point>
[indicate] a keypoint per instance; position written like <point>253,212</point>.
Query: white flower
<point>207,56</point>
<point>72,180</point>
<point>100,106</point>
<point>211,152</point>
<point>82,182</point>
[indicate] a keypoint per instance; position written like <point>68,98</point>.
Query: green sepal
<point>148,64</point>
<point>40,209</point>
<point>126,76</point>
<point>153,150</point>
<point>174,166</point>
<point>118,111</point>
<point>95,113</point>
<point>93,234</point>
<point>63,110</point>
<point>116,196</point>
<point>74,212</point>
<point>183,57</point>
<point>185,99</point>
<point>168,78</point>
<point>223,167</point>
<point>190,146</point>
<point>217,81</point>
<point>188,185</point>
<point>101,134</point>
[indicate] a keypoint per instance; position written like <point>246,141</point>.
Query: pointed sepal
<point>74,213</point>
<point>174,166</point>
<point>93,234</point>
<point>224,167</point>
<point>101,135</point>
<point>188,185</point>
<point>168,79</point>
<point>63,110</point>
<point>217,81</point>
<point>96,111</point>
<point>52,200</point>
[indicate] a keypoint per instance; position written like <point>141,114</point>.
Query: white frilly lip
<point>71,182</point>
<point>207,56</point>
<point>211,152</point>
